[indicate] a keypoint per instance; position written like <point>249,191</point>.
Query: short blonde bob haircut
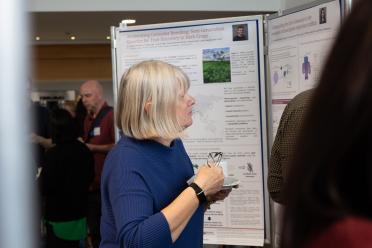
<point>157,84</point>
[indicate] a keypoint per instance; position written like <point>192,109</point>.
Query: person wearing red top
<point>99,136</point>
<point>349,232</point>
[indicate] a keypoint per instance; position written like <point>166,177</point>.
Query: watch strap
<point>199,193</point>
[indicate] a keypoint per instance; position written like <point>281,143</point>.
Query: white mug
<point>225,167</point>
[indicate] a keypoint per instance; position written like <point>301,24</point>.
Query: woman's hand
<point>219,196</point>
<point>209,179</point>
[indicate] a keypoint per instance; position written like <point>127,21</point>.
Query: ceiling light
<point>72,37</point>
<point>108,38</point>
<point>37,38</point>
<point>128,21</point>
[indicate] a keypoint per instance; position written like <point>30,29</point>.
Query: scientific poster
<point>224,60</point>
<point>298,47</point>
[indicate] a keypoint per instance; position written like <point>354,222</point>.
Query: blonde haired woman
<point>146,201</point>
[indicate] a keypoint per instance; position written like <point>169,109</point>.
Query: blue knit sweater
<point>140,178</point>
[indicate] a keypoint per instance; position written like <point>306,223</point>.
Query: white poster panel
<point>224,61</point>
<point>298,47</point>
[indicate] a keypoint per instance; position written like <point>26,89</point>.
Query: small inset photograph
<point>216,65</point>
<point>240,32</point>
<point>323,15</point>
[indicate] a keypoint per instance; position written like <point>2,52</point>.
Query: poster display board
<point>224,60</point>
<point>298,46</point>
<point>298,42</point>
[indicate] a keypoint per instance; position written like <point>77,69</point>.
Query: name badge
<point>96,131</point>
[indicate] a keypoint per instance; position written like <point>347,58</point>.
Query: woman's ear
<point>147,107</point>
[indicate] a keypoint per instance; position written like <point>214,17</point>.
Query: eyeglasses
<point>214,159</point>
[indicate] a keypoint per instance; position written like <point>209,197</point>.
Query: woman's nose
<point>192,100</point>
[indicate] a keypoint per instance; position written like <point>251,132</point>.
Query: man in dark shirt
<point>281,155</point>
<point>284,143</point>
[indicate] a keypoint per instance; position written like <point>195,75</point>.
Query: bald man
<point>99,136</point>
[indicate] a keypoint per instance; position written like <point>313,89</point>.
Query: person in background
<point>146,201</point>
<point>328,196</point>
<point>284,144</point>
<point>65,180</point>
<point>40,132</point>
<point>70,106</point>
<point>99,136</point>
<point>80,114</point>
<point>281,155</point>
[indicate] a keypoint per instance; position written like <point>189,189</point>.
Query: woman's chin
<point>187,125</point>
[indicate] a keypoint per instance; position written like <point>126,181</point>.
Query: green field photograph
<point>216,65</point>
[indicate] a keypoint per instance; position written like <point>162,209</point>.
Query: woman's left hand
<point>219,196</point>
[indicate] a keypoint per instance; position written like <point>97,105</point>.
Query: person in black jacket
<point>65,180</point>
<point>40,131</point>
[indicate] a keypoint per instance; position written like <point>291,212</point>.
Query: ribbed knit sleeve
<point>140,178</point>
<point>136,222</point>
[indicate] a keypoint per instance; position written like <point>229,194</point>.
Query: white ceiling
<point>155,5</point>
<point>93,27</point>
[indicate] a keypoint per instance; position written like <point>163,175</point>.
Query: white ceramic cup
<point>225,167</point>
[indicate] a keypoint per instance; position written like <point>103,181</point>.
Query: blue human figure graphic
<point>306,68</point>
